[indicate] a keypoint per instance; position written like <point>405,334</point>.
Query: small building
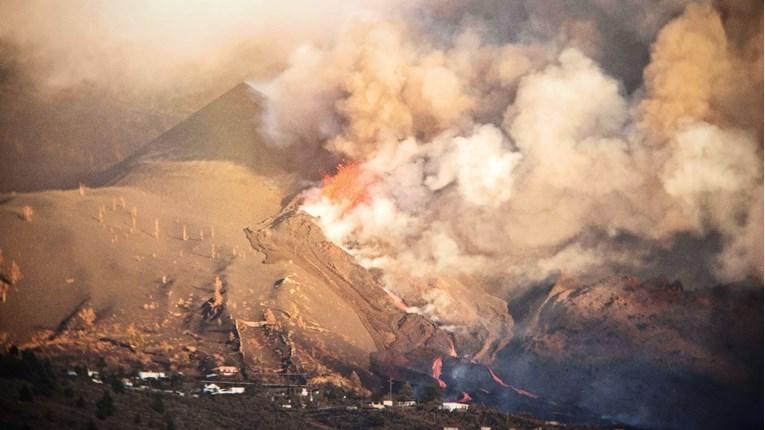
<point>71,373</point>
<point>388,403</point>
<point>406,404</point>
<point>374,405</point>
<point>95,376</point>
<point>226,370</point>
<point>214,389</point>
<point>454,406</point>
<point>156,376</point>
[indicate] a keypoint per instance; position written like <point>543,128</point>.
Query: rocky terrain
<point>641,351</point>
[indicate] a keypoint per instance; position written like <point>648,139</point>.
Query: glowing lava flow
<point>523,392</point>
<point>502,383</point>
<point>438,364</point>
<point>348,188</point>
<point>465,398</point>
<point>497,379</point>
<point>452,348</point>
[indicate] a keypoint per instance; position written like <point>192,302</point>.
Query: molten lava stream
<point>497,379</point>
<point>438,364</point>
<point>502,383</point>
<point>452,348</point>
<point>465,398</point>
<point>523,392</point>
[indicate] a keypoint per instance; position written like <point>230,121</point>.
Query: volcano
<point>194,253</point>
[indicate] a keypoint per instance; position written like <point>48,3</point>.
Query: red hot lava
<point>348,187</point>
<point>438,364</point>
<point>523,392</point>
<point>465,398</point>
<point>497,379</point>
<point>452,348</point>
<point>502,383</point>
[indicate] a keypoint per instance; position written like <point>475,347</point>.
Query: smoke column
<point>507,154</point>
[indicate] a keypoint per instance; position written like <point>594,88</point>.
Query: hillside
<point>193,253</point>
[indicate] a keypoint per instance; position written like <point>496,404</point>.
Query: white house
<point>95,376</point>
<point>232,390</point>
<point>151,375</point>
<point>214,389</point>
<point>454,406</point>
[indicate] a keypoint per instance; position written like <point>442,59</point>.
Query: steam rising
<point>498,143</point>
<point>524,157</point>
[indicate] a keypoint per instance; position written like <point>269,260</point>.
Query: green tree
<point>117,385</point>
<point>157,404</point>
<point>169,423</point>
<point>105,406</point>
<point>432,394</point>
<point>406,393</point>
<point>25,394</point>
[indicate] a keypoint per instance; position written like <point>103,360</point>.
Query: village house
<point>223,371</point>
<point>454,406</point>
<point>95,376</point>
<point>214,389</point>
<point>156,376</point>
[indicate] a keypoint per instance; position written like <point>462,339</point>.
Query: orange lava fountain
<point>348,188</point>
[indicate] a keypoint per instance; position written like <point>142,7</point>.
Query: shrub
<point>157,404</point>
<point>105,406</point>
<point>117,385</point>
<point>25,394</point>
<point>169,423</point>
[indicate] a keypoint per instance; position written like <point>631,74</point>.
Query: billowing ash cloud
<point>512,140</point>
<point>83,84</point>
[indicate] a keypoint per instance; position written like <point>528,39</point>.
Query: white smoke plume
<point>516,159</point>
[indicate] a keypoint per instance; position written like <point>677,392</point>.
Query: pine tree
<point>105,406</point>
<point>157,404</point>
<point>25,394</point>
